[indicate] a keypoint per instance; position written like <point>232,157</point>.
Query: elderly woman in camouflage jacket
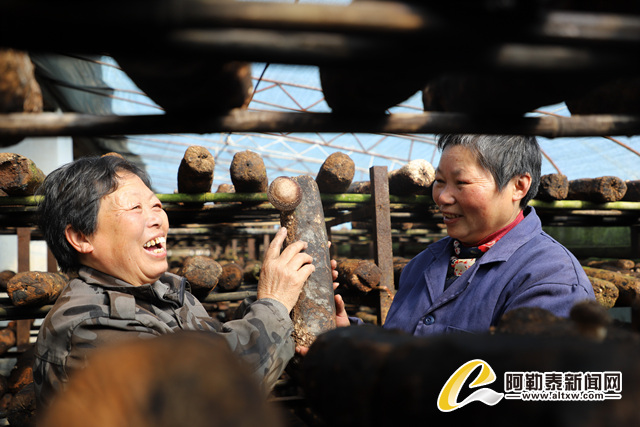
<point>100,219</point>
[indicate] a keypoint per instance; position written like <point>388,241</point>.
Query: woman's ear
<point>522,184</point>
<point>78,240</point>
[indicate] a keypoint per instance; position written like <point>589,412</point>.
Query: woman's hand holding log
<point>284,272</point>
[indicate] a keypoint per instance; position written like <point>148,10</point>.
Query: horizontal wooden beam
<point>72,124</point>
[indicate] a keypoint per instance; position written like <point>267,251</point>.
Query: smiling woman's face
<point>129,241</point>
<point>468,197</point>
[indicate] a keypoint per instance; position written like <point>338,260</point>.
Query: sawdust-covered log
<point>599,190</point>
<point>231,277</point>
<point>195,173</point>
<point>7,339</point>
<point>606,292</point>
<point>358,274</point>
<point>202,272</point>
<point>628,286</point>
<point>19,175</point>
<point>553,186</point>
<point>336,173</point>
<point>314,313</point>
<point>31,288</point>
<point>414,178</point>
<point>248,173</point>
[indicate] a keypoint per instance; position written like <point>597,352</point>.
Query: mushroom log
<point>301,213</point>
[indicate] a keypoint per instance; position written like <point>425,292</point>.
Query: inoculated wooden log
<point>21,410</point>
<point>7,340</point>
<point>190,82</point>
<point>33,288</point>
<point>298,200</point>
<point>203,274</point>
<point>605,291</point>
<point>251,271</point>
<point>195,173</point>
<point>5,275</point>
<point>19,176</point>
<point>336,173</point>
<point>612,264</point>
<point>553,186</point>
<point>248,173</point>
<point>628,286</point>
<point>231,277</point>
<point>358,274</point>
<point>599,190</point>
<point>616,96</point>
<point>360,187</point>
<point>414,178</point>
<point>19,90</point>
<point>633,191</point>
<point>22,372</point>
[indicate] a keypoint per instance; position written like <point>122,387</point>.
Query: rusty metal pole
<point>382,237</point>
<point>23,327</point>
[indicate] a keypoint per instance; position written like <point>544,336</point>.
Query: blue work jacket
<point>525,268</point>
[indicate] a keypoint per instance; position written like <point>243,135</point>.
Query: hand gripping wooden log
<point>298,201</point>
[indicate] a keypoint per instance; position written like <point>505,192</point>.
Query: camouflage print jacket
<point>96,309</point>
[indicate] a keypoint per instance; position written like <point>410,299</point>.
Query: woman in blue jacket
<point>496,257</point>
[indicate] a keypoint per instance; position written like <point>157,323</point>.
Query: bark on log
<point>34,288</point>
<point>599,190</point>
<point>19,90</point>
<point>628,286</point>
<point>314,313</point>
<point>633,191</point>
<point>248,173</point>
<point>336,173</point>
<point>414,178</point>
<point>554,186</point>
<point>203,274</point>
<point>356,379</point>
<point>231,277</point>
<point>19,176</point>
<point>605,291</point>
<point>195,173</point>
<point>190,83</point>
<point>358,275</point>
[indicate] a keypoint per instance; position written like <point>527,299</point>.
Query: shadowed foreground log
<point>184,379</point>
<point>231,277</point>
<point>599,190</point>
<point>31,288</point>
<point>195,173</point>
<point>633,191</point>
<point>336,173</point>
<point>314,313</point>
<point>386,379</point>
<point>203,274</point>
<point>553,186</point>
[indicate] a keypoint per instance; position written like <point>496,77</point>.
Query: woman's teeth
<point>158,241</point>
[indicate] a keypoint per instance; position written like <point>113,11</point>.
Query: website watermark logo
<point>528,386</point>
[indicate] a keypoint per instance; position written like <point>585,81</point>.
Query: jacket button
<point>429,320</point>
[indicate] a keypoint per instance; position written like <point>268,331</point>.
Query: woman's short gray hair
<point>504,156</point>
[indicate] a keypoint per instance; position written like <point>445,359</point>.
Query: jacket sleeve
<point>262,337</point>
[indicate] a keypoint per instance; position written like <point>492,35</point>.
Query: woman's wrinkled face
<point>130,239</point>
<point>468,197</point>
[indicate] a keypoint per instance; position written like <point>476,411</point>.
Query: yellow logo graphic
<point>448,397</point>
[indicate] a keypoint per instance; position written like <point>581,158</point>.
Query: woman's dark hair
<point>504,156</point>
<point>71,196</point>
